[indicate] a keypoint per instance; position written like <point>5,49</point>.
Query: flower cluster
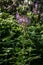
<point>35,6</point>
<point>35,9</point>
<point>22,19</point>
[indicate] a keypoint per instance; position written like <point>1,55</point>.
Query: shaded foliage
<point>20,44</point>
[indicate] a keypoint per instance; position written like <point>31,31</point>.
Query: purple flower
<point>36,11</point>
<point>36,5</point>
<point>20,20</point>
<point>17,16</point>
<point>23,19</point>
<point>26,19</point>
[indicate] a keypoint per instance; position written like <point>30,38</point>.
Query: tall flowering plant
<point>23,20</point>
<point>21,45</point>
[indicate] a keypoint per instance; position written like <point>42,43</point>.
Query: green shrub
<point>17,48</point>
<point>19,44</point>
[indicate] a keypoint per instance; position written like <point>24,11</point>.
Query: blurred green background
<point>20,46</point>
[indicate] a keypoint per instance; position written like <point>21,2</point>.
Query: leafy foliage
<point>20,44</point>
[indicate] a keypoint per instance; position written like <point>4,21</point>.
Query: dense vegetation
<point>21,32</point>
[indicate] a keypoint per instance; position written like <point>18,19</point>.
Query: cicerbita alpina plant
<point>36,9</point>
<point>17,16</point>
<point>36,5</point>
<point>23,21</point>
